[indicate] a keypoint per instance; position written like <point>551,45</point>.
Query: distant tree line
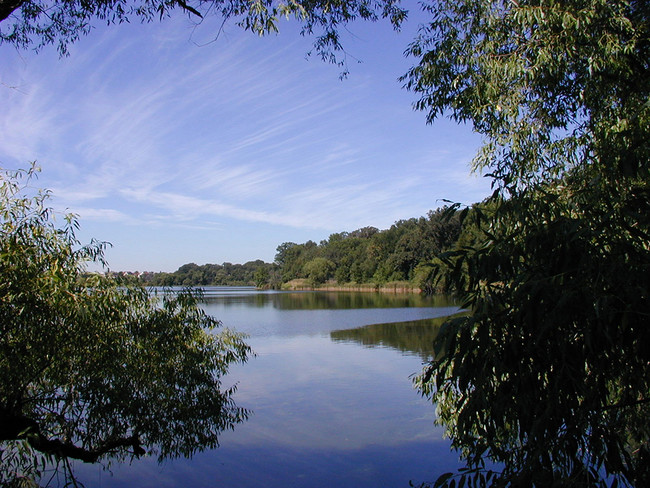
<point>253,273</point>
<point>402,253</point>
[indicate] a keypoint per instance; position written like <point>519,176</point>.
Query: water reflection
<point>331,395</point>
<point>325,413</point>
<point>310,300</point>
<point>414,337</point>
<point>289,314</point>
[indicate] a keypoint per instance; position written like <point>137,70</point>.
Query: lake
<point>330,391</point>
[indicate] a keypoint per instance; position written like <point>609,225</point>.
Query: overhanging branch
<point>19,427</point>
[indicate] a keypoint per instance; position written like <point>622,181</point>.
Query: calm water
<point>331,395</point>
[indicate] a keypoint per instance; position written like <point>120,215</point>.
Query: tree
<point>36,23</point>
<point>261,277</point>
<point>318,270</point>
<point>100,370</point>
<point>548,375</point>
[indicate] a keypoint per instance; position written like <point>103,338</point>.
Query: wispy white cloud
<point>105,215</point>
<point>186,208</point>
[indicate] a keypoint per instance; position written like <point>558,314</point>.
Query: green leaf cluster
<point>97,369</point>
<point>548,377</point>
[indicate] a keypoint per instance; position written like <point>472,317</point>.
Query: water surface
<point>331,394</point>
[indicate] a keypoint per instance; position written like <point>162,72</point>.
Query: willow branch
<point>19,427</point>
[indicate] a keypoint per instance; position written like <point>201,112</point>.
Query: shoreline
<point>396,287</point>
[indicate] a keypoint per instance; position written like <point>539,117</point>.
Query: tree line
<point>401,253</point>
<point>256,273</point>
<point>369,255</point>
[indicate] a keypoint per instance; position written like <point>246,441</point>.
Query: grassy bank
<point>390,287</point>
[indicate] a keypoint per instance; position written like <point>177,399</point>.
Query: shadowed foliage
<point>549,375</point>
<point>99,370</point>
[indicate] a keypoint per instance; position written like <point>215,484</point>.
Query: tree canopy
<point>549,375</point>
<point>368,255</point>
<point>36,23</point>
<point>101,370</point>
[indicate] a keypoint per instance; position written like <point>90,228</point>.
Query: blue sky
<point>179,148</point>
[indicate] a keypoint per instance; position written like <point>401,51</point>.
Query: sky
<point>177,147</point>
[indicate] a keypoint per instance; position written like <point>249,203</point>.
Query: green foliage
<point>549,84</point>
<point>38,23</point>
<point>319,270</point>
<point>549,374</point>
<point>261,277</point>
<point>226,274</point>
<point>292,257</point>
<point>369,255</point>
<point>101,370</point>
